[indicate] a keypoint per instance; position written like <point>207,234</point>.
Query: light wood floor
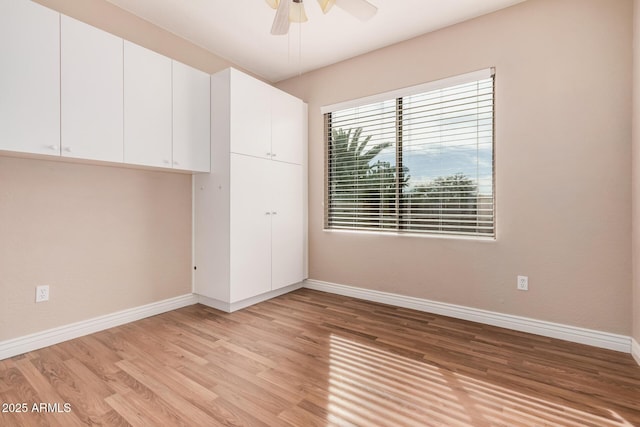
<point>315,359</point>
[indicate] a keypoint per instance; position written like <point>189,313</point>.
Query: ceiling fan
<point>288,11</point>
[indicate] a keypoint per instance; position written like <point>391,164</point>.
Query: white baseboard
<point>635,350</point>
<point>214,303</point>
<point>539,327</point>
<point>231,307</point>
<point>20,345</point>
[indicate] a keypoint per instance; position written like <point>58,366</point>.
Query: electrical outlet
<point>523,283</point>
<point>42,293</point>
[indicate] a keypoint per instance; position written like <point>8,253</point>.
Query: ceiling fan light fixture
<point>296,12</point>
<point>288,11</point>
<point>326,5</point>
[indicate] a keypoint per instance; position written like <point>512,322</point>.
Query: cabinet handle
<point>267,213</point>
<point>166,162</point>
<point>273,154</point>
<point>175,163</point>
<point>269,154</point>
<point>67,149</point>
<point>52,147</point>
<point>274,213</point>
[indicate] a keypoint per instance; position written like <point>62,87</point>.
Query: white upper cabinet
<point>29,78</point>
<point>191,118</point>
<point>250,112</point>
<point>265,121</point>
<point>92,92</point>
<point>69,89</point>
<point>147,107</point>
<point>287,127</point>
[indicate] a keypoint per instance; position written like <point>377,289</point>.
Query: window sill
<point>412,235</point>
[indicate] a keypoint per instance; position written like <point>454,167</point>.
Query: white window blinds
<point>418,160</point>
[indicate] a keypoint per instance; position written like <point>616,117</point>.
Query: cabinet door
<point>191,117</point>
<point>29,78</point>
<point>147,107</point>
<point>250,241</point>
<point>250,106</point>
<point>92,85</point>
<point>287,253</point>
<point>287,127</point>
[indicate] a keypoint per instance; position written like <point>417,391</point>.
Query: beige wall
<point>563,109</point>
<point>104,238</point>
<point>636,171</point>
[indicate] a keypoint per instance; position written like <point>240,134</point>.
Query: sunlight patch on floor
<point>370,386</point>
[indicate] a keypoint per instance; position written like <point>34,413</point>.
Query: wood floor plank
<point>190,390</point>
<point>85,394</point>
<point>124,407</point>
<point>309,358</point>
<point>46,392</point>
<point>169,401</point>
<point>298,416</point>
<point>112,419</point>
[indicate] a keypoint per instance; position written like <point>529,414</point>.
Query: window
<point>417,160</point>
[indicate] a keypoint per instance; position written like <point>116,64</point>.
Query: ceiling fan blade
<point>281,21</point>
<point>361,9</point>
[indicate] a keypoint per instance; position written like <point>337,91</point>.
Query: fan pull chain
<point>299,49</point>
<point>289,47</point>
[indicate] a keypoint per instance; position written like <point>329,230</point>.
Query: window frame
<point>398,96</point>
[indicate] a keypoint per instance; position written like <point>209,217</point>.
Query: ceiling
<point>239,30</point>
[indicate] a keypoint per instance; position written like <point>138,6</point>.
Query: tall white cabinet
<point>250,211</point>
